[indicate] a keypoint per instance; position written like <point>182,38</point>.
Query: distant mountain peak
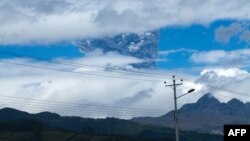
<point>142,45</point>
<point>208,114</point>
<point>208,99</point>
<point>235,102</point>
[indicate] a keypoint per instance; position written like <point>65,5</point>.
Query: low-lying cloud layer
<point>86,93</point>
<point>48,21</point>
<point>93,91</point>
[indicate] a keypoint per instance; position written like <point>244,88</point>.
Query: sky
<point>206,43</point>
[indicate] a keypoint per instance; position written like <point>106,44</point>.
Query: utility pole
<point>174,85</point>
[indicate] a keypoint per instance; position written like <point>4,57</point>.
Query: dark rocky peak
<point>208,99</point>
<point>248,104</point>
<point>206,115</point>
<point>235,102</point>
<point>206,102</point>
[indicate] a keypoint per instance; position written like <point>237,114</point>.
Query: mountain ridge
<point>116,129</point>
<point>208,114</point>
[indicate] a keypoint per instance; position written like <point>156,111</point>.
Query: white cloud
<point>34,83</point>
<point>174,51</point>
<point>56,20</point>
<point>226,84</point>
<point>237,58</point>
<point>233,72</point>
<point>124,102</point>
<point>42,84</point>
<point>99,58</point>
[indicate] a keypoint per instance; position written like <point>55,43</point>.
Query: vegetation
<point>20,126</point>
<point>31,130</point>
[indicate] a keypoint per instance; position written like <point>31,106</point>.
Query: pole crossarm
<point>173,85</point>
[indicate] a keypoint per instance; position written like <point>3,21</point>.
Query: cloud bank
<point>35,89</point>
<point>235,58</point>
<point>48,21</point>
<point>226,84</point>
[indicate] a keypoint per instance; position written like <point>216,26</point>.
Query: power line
<point>77,106</point>
<point>118,77</point>
<point>248,97</point>
<point>77,110</point>
<point>219,89</point>
<point>101,68</point>
<point>86,111</point>
<point>81,73</point>
<point>80,104</point>
<point>226,90</point>
<point>113,70</point>
<point>131,72</point>
<point>99,110</point>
